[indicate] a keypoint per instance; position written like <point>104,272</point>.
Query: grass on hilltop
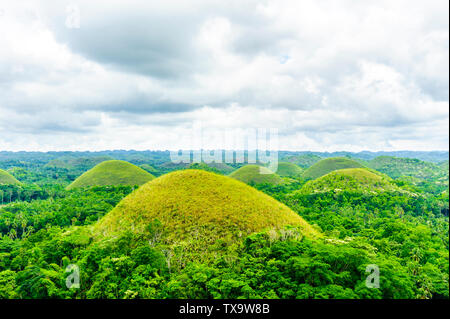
<point>350,179</point>
<point>328,165</point>
<point>254,174</point>
<point>112,173</point>
<point>199,210</point>
<point>7,179</point>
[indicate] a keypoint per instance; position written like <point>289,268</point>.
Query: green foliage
<point>65,208</point>
<point>26,192</point>
<point>195,234</point>
<point>112,173</point>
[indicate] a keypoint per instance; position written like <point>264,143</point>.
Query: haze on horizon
<point>330,76</point>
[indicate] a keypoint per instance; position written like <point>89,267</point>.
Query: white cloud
<point>330,75</point>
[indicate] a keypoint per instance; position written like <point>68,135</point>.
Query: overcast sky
<point>330,75</point>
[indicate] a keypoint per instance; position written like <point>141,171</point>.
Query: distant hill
<point>304,161</point>
<point>7,179</point>
<point>414,171</point>
<point>396,167</point>
<point>70,162</point>
<point>197,209</point>
<point>254,174</point>
<point>350,179</point>
<point>286,169</point>
<point>220,168</point>
<point>328,165</point>
<point>112,173</point>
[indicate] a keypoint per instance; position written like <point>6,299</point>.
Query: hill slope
<point>251,174</point>
<point>199,208</point>
<point>350,179</point>
<point>7,179</point>
<point>289,170</point>
<point>328,165</point>
<point>112,173</point>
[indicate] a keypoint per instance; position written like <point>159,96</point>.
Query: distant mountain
<point>432,156</point>
<point>156,158</point>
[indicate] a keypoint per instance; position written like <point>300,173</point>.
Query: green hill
<point>220,168</point>
<point>112,173</point>
<point>350,179</point>
<point>198,209</point>
<point>286,169</point>
<point>254,174</point>
<point>7,179</point>
<point>328,165</point>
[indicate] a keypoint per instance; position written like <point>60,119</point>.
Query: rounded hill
<point>112,173</point>
<point>7,179</point>
<point>328,165</point>
<point>220,168</point>
<point>350,179</point>
<point>199,209</point>
<point>286,169</point>
<point>255,174</point>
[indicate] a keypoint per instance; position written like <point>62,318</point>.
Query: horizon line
<point>219,149</point>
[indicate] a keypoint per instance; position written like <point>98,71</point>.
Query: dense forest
<point>388,211</point>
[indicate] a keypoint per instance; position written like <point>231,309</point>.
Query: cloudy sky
<point>329,75</point>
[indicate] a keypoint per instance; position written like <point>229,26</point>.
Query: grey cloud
<point>49,121</point>
<point>142,65</point>
<point>142,106</point>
